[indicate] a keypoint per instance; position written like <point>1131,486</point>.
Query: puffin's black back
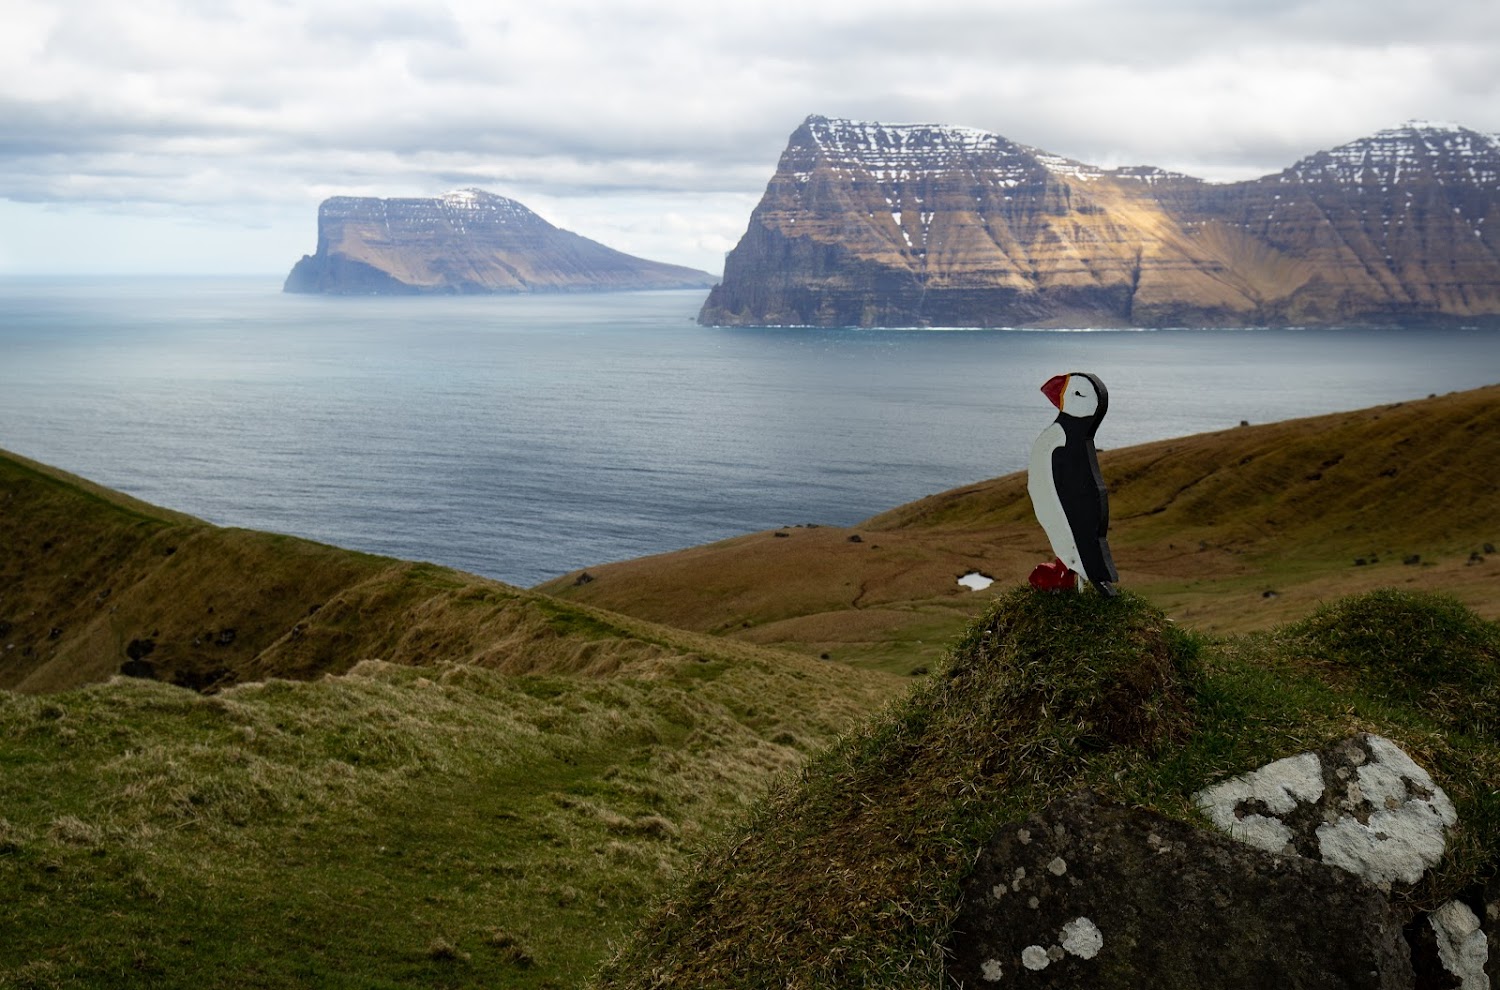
<point>1081,489</point>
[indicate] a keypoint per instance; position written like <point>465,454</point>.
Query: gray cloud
<point>642,113</point>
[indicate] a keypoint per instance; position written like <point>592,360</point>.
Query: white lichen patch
<point>1057,867</point>
<point>1462,947</point>
<point>1405,836</point>
<point>1397,845</point>
<point>1384,821</point>
<point>1262,833</point>
<point>1082,938</point>
<point>990,970</point>
<point>1034,957</point>
<point>1394,757</point>
<point>1279,786</point>
<point>1024,836</point>
<point>998,891</point>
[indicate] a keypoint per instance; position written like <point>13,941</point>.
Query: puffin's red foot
<point>1053,577</point>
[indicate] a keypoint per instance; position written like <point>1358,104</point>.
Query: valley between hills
<point>237,759</point>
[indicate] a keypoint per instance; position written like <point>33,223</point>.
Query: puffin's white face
<point>1079,397</point>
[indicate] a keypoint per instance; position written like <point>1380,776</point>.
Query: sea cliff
<point>468,241</point>
<point>874,225</point>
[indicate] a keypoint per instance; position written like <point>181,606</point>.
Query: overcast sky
<point>200,135</point>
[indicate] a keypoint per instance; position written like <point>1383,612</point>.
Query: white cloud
<point>619,115</point>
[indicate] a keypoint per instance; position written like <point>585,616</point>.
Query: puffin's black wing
<point>1085,500</point>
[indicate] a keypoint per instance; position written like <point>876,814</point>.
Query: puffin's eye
<point>1079,394</point>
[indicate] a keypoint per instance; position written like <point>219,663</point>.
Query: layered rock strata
<point>466,241</point>
<point>874,225</point>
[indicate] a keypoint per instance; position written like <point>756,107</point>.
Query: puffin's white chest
<point>1044,499</point>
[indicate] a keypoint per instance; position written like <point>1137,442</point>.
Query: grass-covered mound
<point>849,876</point>
<point>1413,649</point>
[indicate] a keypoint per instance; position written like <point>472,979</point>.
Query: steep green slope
<point>91,580</point>
<point>849,876</point>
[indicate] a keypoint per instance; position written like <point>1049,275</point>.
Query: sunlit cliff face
<point>872,224</point>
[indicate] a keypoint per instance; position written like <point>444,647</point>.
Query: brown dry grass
<point>1206,525</point>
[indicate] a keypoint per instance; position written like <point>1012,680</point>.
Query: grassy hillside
<point>849,876</point>
<point>468,785</point>
<point>91,580</point>
<point>392,826</point>
<point>1231,531</point>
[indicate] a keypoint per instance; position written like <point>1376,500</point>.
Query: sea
<point>525,437</point>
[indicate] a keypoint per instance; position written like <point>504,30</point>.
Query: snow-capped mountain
<point>874,224</point>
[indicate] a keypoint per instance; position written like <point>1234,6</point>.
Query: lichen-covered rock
<point>1362,805</point>
<point>1092,895</point>
<point>1449,948</point>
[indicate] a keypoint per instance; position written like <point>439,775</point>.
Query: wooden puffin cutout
<point>1068,492</point>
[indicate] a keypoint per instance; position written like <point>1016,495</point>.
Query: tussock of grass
<point>1419,649</point>
<point>849,877</point>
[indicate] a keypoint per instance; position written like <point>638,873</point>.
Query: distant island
<point>467,241</point>
<point>866,224</point>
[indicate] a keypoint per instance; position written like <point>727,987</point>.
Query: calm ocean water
<point>521,438</point>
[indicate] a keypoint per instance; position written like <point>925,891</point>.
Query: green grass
<point>850,876</point>
<point>489,803</point>
<point>445,826</point>
<point>1423,650</point>
<point>917,647</point>
<point>570,620</point>
<point>455,826</point>
<point>916,637</point>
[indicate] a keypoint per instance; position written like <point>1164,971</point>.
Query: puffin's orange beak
<point>1055,388</point>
